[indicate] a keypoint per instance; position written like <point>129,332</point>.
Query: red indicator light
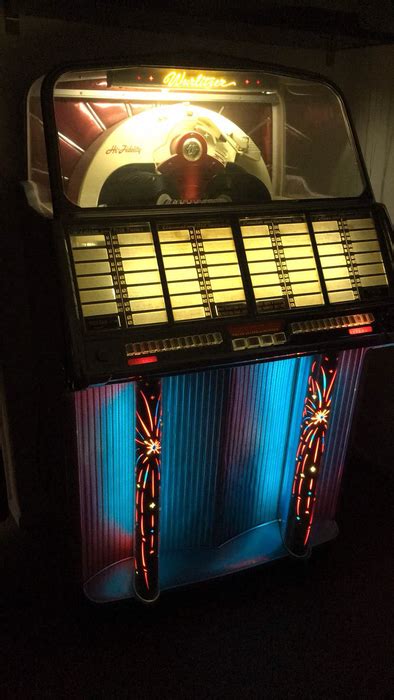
<point>141,360</point>
<point>360,330</point>
<point>151,78</point>
<point>247,81</point>
<point>258,82</point>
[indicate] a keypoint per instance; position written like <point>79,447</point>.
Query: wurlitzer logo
<point>180,79</point>
<point>124,148</point>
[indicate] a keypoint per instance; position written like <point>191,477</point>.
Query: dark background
<point>324,629</point>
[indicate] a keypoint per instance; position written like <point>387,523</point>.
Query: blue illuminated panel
<point>261,424</point>
<point>105,424</point>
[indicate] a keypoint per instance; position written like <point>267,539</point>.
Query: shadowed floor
<point>320,629</point>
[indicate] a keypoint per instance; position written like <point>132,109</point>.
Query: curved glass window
<point>141,137</point>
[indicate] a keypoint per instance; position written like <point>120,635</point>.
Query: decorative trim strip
<point>147,489</point>
<point>315,418</point>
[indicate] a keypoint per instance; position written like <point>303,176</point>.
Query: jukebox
<point>224,268</point>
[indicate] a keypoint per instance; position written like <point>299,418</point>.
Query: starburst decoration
<point>152,446</point>
<point>320,417</point>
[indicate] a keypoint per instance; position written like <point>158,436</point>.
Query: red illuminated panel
<point>360,330</point>
<point>70,153</point>
<point>110,113</point>
<point>141,360</point>
<point>78,122</point>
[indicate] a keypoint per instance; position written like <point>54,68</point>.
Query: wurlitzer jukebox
<point>224,267</point>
